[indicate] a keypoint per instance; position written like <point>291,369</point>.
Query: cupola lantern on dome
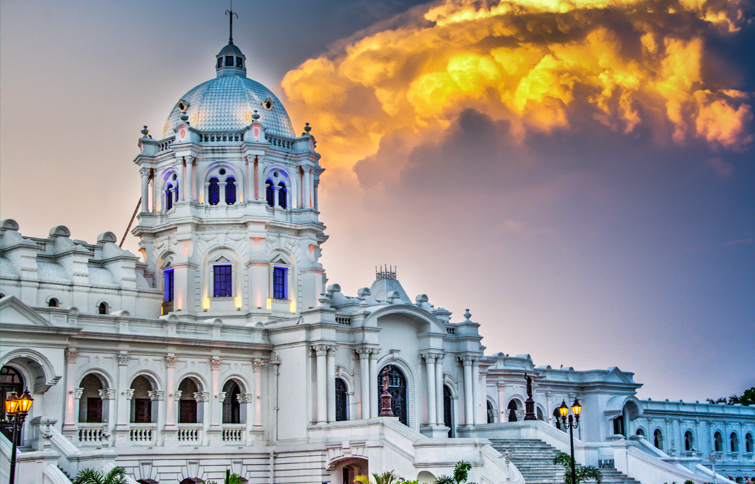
<point>230,60</point>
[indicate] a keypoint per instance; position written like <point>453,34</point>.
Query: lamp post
<point>16,409</point>
<point>572,423</point>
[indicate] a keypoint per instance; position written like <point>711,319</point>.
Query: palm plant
<point>461,472</point>
<point>117,475</point>
<point>583,473</point>
<point>384,478</point>
<point>230,478</point>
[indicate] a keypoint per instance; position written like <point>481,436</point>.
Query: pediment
<point>616,376</point>
<point>13,311</point>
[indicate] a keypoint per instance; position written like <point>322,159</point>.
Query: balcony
<point>233,433</point>
<point>92,434</point>
<point>143,433</point>
<point>190,433</point>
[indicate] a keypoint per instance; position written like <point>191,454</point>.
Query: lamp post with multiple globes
<point>572,423</point>
<point>16,409</point>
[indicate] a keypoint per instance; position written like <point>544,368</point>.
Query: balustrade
<point>189,433</point>
<point>143,434</point>
<point>233,433</point>
<point>91,433</point>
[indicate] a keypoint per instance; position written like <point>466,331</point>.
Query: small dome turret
<point>230,62</point>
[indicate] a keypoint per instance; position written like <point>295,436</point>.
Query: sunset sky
<point>577,173</point>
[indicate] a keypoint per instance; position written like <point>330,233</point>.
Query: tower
<point>229,222</point>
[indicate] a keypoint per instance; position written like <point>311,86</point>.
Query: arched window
<point>748,443</point>
<point>168,284</point>
<point>734,442</point>
<point>231,404</point>
<point>141,403</point>
<point>90,405</point>
<point>540,415</point>
<point>342,403</point>
<point>270,193</point>
<point>658,439</point>
<point>512,408</point>
<point>213,192</point>
<point>448,410</point>
<point>282,195</point>
<point>397,389</point>
<point>230,191</point>
<point>640,432</point>
<point>102,308</point>
<point>168,197</point>
<point>718,442</point>
<point>557,418</point>
<point>689,441</point>
<point>491,413</point>
<point>53,303</point>
<point>187,412</point>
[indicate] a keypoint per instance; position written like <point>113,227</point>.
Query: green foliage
<point>384,478</point>
<point>461,473</point>
<point>229,478</point>
<point>583,473</point>
<point>688,482</point>
<point>747,398</point>
<point>117,475</point>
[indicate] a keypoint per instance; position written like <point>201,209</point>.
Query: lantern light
<point>563,409</point>
<point>11,403</point>
<point>576,407</point>
<point>24,403</point>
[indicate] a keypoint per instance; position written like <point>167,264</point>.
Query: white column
<point>372,383</point>
<point>203,398</point>
<point>216,404</point>
<point>439,390</point>
<point>108,397</point>
<point>305,186</point>
<point>332,384</point>
<point>258,364</point>
<point>221,186</point>
<point>364,370</point>
<point>123,404</point>
<point>476,390</point>
<point>322,386</point>
<point>154,195</point>
<point>483,412</point>
<point>468,390</point>
<point>190,178</point>
<point>501,401</point>
<point>548,408</point>
<point>248,183</point>
<point>431,403</point>
<point>157,396</point>
<point>71,417</point>
<point>77,393</point>
<point>247,399</point>
<point>310,188</point>
<point>181,187</point>
<point>145,190</point>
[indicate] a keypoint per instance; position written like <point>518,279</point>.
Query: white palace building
<point>221,346</point>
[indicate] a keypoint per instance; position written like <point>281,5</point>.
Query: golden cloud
<point>534,63</point>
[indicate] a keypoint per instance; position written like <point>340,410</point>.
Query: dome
<point>227,102</point>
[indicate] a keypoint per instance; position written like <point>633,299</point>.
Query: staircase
<point>534,459</point>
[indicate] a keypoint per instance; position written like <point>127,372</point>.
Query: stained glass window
<point>222,281</point>
<point>168,197</point>
<point>269,193</point>
<point>279,283</point>
<point>230,191</point>
<point>168,278</point>
<point>282,195</point>
<point>213,192</point>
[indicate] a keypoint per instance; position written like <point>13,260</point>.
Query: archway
<point>448,410</point>
<point>342,400</point>
<point>11,381</point>
<point>397,389</point>
<point>90,407</point>
<point>512,410</point>
<point>491,412</point>
<point>658,439</point>
<point>141,403</point>
<point>187,411</point>
<point>231,404</point>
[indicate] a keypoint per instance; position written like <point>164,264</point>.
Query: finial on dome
<point>256,115</point>
<point>231,13</point>
<point>467,315</point>
<point>145,132</point>
<point>307,128</point>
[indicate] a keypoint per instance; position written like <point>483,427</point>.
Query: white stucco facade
<point>222,345</point>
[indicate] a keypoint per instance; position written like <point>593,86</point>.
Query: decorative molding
<point>107,393</point>
<point>177,395</point>
<point>221,396</point>
<point>129,393</point>
<point>71,355</point>
<point>170,361</point>
<point>202,396</point>
<point>77,393</point>
<point>257,365</point>
<point>245,397</point>
<point>123,358</point>
<point>156,395</point>
<point>215,363</point>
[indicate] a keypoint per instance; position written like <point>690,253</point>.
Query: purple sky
<point>600,223</point>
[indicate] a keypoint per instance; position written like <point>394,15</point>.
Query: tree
<point>117,475</point>
<point>747,398</point>
<point>384,478</point>
<point>583,473</point>
<point>461,472</point>
<point>716,401</point>
<point>229,478</point>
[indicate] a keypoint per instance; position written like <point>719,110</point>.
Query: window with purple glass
<point>222,280</point>
<point>168,286</point>
<point>279,282</point>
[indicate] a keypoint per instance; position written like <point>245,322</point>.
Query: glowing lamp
<point>11,403</point>
<point>563,409</point>
<point>576,407</point>
<point>24,403</point>
<point>269,303</point>
<point>293,307</point>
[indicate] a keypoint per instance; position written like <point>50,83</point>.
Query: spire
<point>231,13</point>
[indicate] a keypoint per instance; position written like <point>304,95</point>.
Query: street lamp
<point>16,409</point>
<point>572,424</point>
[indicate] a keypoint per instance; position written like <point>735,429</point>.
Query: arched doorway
<point>187,405</point>
<point>11,380</point>
<point>448,410</point>
<point>342,404</point>
<point>90,408</point>
<point>231,404</point>
<point>512,408</point>
<point>397,389</point>
<point>557,418</point>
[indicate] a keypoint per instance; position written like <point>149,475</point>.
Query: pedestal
<point>529,409</point>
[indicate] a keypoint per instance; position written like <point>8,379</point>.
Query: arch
<point>426,477</point>
<point>168,196</point>
<point>342,400</point>
<point>448,409</point>
<point>734,442</point>
<point>274,176</point>
<point>748,443</point>
<point>230,190</point>
<point>213,191</point>
<point>640,432</point>
<point>718,442</point>
<point>406,368</point>
<point>12,381</point>
<point>103,308</point>
<point>658,439</point>
<point>540,412</point>
<point>512,409</point>
<point>220,170</point>
<point>428,322</point>
<point>187,409</point>
<point>283,195</point>
<point>397,387</point>
<point>35,367</point>
<point>53,302</point>
<point>168,188</point>
<point>143,408</point>
<point>90,403</point>
<point>99,373</point>
<point>232,411</point>
<point>269,193</point>
<point>689,441</point>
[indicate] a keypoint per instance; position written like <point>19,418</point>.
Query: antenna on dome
<point>231,13</point>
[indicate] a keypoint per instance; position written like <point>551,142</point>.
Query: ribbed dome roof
<point>228,102</point>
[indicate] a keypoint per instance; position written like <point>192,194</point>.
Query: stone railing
<point>143,433</point>
<point>280,142</point>
<point>233,433</point>
<point>165,144</point>
<point>190,433</point>
<point>92,433</point>
<point>222,137</point>
<point>344,320</point>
